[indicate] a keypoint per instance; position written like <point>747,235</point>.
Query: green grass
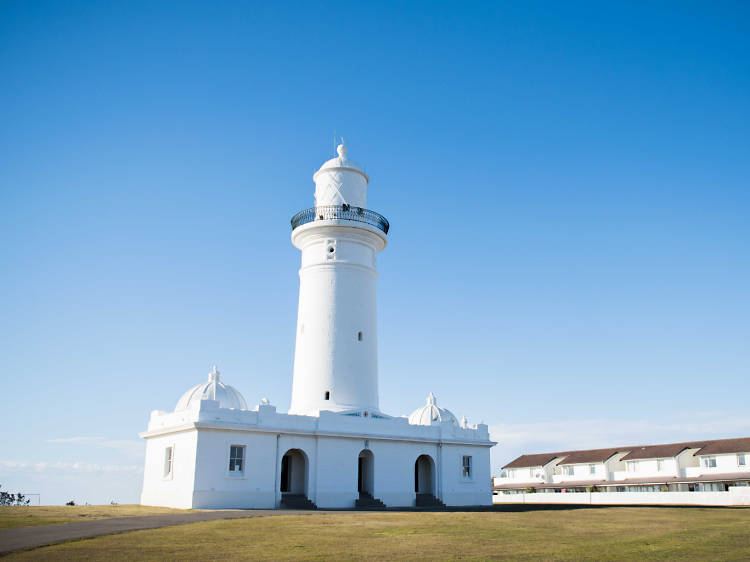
<point>613,533</point>
<point>48,515</point>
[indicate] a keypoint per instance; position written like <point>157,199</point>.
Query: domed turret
<point>431,414</point>
<point>213,389</point>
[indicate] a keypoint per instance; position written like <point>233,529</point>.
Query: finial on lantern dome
<point>431,399</point>
<point>341,149</point>
<point>214,375</point>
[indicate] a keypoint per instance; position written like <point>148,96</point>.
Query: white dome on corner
<point>431,414</point>
<point>213,389</point>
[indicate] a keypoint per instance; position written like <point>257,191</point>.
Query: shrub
<point>13,499</point>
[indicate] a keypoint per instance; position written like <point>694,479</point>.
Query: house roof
<point>706,447</point>
<point>591,455</point>
<point>719,446</point>
<point>527,461</point>
<point>660,451</point>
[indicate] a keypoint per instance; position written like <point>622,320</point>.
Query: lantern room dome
<point>341,162</point>
<point>213,389</point>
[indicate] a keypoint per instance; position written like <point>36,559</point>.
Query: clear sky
<point>567,183</point>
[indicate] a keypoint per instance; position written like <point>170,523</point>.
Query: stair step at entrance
<point>296,501</point>
<point>366,501</point>
<point>428,500</point>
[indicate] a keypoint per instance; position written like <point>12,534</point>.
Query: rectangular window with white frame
<point>568,470</point>
<point>236,460</point>
<point>168,461</point>
<point>592,469</point>
<point>466,470</point>
<point>659,465</point>
<point>741,459</point>
<point>709,462</point>
<point>632,466</point>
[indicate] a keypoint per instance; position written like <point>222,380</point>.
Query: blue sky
<point>567,185</point>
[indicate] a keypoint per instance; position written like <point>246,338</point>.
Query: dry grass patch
<point>615,533</point>
<point>27,516</point>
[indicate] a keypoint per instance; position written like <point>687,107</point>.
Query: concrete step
<point>366,501</point>
<point>428,500</point>
<point>296,501</point>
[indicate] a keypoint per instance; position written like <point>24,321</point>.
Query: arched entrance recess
<point>294,472</point>
<point>366,472</point>
<point>424,475</point>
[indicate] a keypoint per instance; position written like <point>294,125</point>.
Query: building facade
<point>335,447</point>
<point>700,466</point>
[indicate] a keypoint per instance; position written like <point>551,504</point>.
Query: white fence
<point>735,496</point>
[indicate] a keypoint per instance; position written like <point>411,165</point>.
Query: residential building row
<point>697,466</point>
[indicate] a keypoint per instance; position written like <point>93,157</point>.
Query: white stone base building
<point>329,459</point>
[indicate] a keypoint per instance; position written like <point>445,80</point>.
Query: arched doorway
<point>366,472</point>
<point>424,475</point>
<point>294,472</point>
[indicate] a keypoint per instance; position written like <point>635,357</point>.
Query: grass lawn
<point>48,515</point>
<point>611,533</point>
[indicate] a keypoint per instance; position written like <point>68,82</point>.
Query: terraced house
<point>721,465</point>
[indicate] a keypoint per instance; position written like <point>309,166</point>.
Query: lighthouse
<point>335,448</point>
<point>336,352</point>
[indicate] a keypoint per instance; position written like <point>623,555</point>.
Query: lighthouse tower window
<point>359,336</point>
<point>328,395</point>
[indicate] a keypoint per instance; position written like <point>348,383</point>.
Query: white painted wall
<point>337,301</point>
<point>174,489</point>
<point>216,487</point>
<point>582,472</point>
<point>725,463</point>
<point>532,474</point>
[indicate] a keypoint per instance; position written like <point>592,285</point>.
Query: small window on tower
<point>359,336</point>
<point>328,395</point>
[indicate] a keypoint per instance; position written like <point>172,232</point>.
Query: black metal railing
<point>341,212</point>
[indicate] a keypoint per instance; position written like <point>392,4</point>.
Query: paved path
<point>24,538</point>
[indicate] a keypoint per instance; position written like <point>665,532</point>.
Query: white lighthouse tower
<point>336,356</point>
